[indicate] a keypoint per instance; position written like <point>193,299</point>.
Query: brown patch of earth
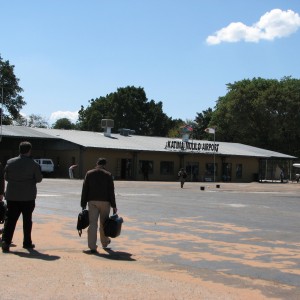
<point>59,268</point>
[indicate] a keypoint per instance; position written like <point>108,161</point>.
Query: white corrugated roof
<point>23,131</point>
<point>135,142</point>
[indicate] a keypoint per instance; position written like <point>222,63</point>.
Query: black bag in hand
<point>83,221</point>
<point>112,226</point>
<point>3,209</point>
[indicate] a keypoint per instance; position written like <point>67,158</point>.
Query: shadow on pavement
<point>36,255</point>
<point>115,255</point>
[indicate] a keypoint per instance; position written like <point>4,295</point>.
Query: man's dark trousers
<point>14,209</point>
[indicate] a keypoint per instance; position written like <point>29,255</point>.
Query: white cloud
<point>72,116</point>
<point>274,24</point>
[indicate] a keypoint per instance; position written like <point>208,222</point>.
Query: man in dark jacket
<point>22,174</point>
<point>99,192</point>
<point>182,175</point>
<point>2,183</point>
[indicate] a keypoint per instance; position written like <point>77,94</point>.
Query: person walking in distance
<point>182,175</point>
<point>22,174</point>
<point>99,192</point>
<point>71,171</point>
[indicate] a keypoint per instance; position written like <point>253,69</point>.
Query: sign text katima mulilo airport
<point>210,147</point>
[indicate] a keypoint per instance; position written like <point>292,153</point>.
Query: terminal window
<point>209,169</point>
<point>239,171</point>
<point>146,166</point>
<point>166,167</point>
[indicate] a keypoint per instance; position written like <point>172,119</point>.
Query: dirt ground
<point>62,268</point>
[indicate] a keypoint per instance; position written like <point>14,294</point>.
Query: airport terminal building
<point>134,157</point>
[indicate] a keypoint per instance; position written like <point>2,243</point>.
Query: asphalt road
<point>244,236</point>
<point>238,229</point>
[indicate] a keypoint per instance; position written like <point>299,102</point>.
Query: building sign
<point>201,147</point>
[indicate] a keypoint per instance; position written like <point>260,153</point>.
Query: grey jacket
<point>22,174</point>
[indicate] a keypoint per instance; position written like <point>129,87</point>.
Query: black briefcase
<point>82,221</point>
<point>113,226</point>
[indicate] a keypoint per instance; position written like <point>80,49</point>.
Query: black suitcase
<point>113,226</point>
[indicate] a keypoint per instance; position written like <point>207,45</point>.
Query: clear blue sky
<point>182,53</point>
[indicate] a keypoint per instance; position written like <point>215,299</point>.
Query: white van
<point>46,164</point>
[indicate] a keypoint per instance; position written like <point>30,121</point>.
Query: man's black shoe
<point>5,247</point>
<point>106,246</point>
<point>28,246</point>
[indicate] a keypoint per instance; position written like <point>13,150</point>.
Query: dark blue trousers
<point>14,210</point>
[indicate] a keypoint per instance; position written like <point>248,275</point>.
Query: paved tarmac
<point>235,241</point>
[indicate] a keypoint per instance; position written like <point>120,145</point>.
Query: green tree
<point>20,121</point>
<point>158,122</point>
<point>90,118</point>
<point>64,123</point>
<point>129,108</point>
<point>174,131</point>
<point>37,121</point>
<point>260,112</point>
<point>202,121</point>
<point>12,100</point>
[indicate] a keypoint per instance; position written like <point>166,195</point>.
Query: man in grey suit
<point>22,174</point>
